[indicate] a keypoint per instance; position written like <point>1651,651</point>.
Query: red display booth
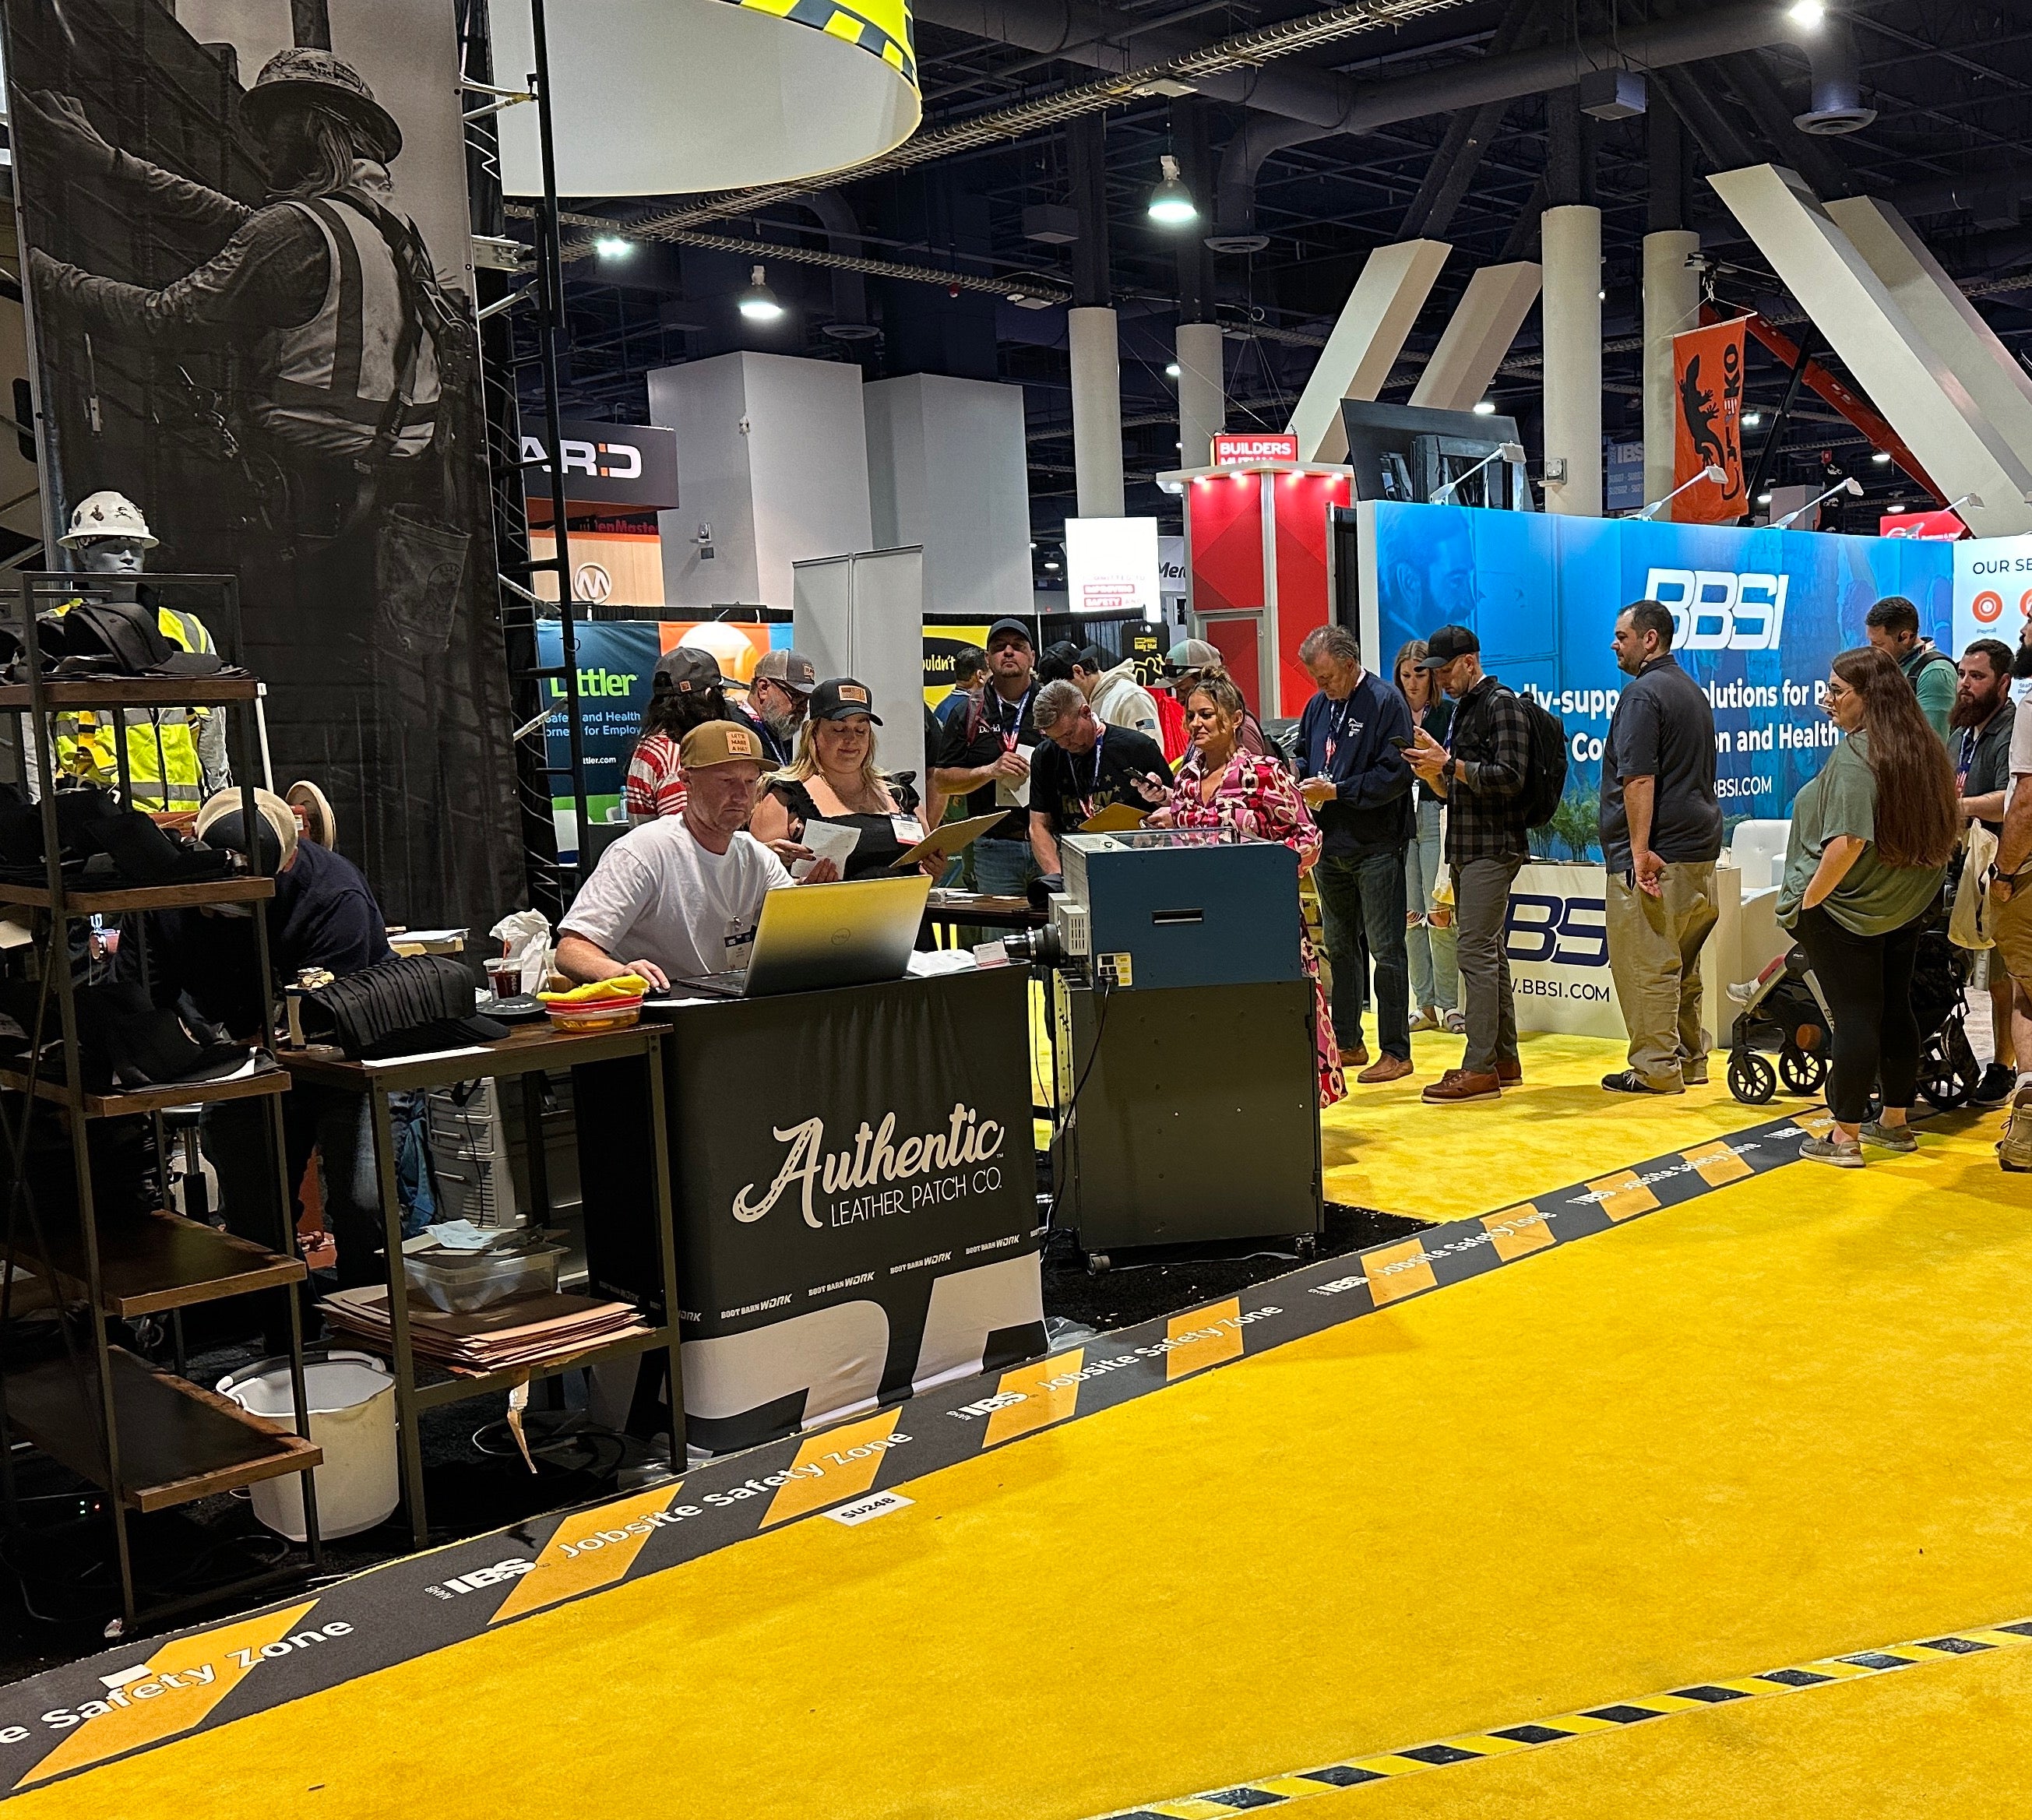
<point>1256,541</point>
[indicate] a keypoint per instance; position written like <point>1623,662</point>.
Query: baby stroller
<point>1784,1011</point>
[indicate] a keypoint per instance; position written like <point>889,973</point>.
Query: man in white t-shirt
<point>681,896</point>
<point>2011,908</point>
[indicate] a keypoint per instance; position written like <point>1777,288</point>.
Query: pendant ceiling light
<point>1171,203</point>
<point>758,303</point>
<point>668,97</point>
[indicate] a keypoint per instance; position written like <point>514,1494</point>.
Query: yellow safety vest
<point>162,765</point>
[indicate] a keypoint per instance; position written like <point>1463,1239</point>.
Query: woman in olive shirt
<point>1871,839</point>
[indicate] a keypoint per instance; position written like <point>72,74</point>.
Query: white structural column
<point>1890,358</point>
<point>1572,238</point>
<point>1672,306</point>
<point>1096,374</point>
<point>1202,392</point>
<point>1391,289</point>
<point>1478,334</point>
<point>1998,386</point>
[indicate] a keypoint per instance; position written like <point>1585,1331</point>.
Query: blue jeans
<point>339,1126</point>
<point>1434,964</point>
<point>1365,896</point>
<point>1004,868</point>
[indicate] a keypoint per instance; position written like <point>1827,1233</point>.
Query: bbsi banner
<point>1758,615</point>
<point>1707,379</point>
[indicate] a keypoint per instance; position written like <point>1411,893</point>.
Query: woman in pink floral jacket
<point>1219,786</point>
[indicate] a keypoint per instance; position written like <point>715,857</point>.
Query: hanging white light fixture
<point>1171,203</point>
<point>758,303</point>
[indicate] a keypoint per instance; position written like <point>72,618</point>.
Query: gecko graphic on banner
<point>1758,615</point>
<point>1707,378</point>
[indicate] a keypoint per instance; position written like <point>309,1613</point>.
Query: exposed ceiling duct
<point>1718,33</point>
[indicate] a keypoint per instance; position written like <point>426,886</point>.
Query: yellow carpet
<point>1384,1148</point>
<point>1782,1422</point>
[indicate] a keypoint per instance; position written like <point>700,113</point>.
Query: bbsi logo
<point>1714,611</point>
<point>1567,931</point>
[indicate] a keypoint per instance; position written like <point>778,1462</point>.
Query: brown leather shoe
<point>1510,1074</point>
<point>1456,1087</point>
<point>1357,1057</point>
<point>1386,1068</point>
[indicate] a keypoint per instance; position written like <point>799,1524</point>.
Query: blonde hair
<point>805,765</point>
<point>1216,684</point>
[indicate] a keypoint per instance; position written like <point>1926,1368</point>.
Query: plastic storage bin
<point>351,1400</point>
<point>464,1282</point>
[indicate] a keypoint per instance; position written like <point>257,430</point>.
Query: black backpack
<point>1545,776</point>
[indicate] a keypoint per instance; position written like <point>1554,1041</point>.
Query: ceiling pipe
<point>849,289</point>
<point>1720,32</point>
<point>1836,71</point>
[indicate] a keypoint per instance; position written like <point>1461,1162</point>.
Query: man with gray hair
<point>1083,766</point>
<point>1352,773</point>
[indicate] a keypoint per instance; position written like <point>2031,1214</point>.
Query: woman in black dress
<point>834,779</point>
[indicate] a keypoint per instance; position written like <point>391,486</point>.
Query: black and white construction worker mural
<point>252,301</point>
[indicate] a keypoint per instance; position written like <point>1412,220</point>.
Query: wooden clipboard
<point>1117,818</point>
<point>948,838</point>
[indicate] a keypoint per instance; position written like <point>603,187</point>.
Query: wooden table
<point>530,1052</point>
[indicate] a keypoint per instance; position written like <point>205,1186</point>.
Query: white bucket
<point>352,1399</point>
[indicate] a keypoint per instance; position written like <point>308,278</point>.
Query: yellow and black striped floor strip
<point>1537,1734</point>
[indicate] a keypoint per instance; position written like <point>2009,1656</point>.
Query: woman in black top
<point>1429,936</point>
<point>833,779</point>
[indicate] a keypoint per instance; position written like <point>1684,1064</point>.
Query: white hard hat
<point>107,515</point>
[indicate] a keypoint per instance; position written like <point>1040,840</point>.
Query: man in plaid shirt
<point>1483,779</point>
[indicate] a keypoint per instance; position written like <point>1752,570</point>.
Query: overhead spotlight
<point>1171,372</point>
<point>1764,499</point>
<point>1753,419</point>
<point>1171,203</point>
<point>1806,12</point>
<point>758,303</point>
<point>612,246</point>
<point>1894,508</point>
<point>1052,568</point>
<point>1881,458</point>
<point>1485,408</point>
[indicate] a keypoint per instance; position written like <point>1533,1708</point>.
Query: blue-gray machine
<point>1187,1093</point>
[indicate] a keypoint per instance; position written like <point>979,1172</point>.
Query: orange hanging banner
<point>1707,381</point>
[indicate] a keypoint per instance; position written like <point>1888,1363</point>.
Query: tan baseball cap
<point>720,742</point>
<point>218,822</point>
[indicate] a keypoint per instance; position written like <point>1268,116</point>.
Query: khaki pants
<point>1654,952</point>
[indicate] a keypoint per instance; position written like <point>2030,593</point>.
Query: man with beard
<point>779,692</point>
<point>2011,902</point>
<point>1981,724</point>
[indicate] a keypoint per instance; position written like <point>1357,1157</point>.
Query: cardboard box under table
<point>855,1196</point>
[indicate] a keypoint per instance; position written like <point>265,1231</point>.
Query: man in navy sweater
<point>1352,773</point>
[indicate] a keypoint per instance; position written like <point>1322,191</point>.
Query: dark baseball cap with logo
<point>688,670</point>
<point>841,698</point>
<point>1006,629</point>
<point>1446,645</point>
<point>791,668</point>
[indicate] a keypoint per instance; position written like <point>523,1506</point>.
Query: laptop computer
<point>856,933</point>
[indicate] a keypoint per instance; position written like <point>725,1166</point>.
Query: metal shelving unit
<point>149,1438</point>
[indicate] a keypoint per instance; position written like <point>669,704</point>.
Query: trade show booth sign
<point>1759,614</point>
<point>218,322</point>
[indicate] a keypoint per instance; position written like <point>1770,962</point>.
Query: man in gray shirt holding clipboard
<point>1660,837</point>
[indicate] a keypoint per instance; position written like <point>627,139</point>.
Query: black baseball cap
<point>841,698</point>
<point>1446,645</point>
<point>689,669</point>
<point>1003,627</point>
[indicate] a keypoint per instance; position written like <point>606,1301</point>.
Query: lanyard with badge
<point>1340,715</point>
<point>1093,780</point>
<point>1010,732</point>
